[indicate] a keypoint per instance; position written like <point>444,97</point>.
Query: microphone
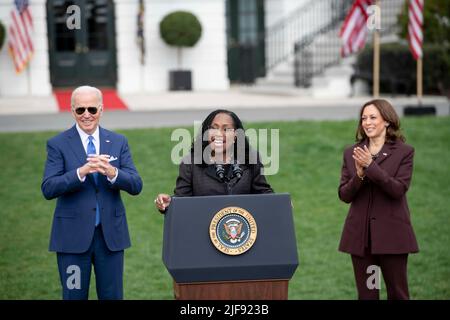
<point>220,171</point>
<point>237,171</point>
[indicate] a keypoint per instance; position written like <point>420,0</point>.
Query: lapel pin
<point>107,141</point>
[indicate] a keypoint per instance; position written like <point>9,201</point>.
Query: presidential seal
<point>233,230</point>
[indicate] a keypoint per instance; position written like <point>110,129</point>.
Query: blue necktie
<point>91,150</point>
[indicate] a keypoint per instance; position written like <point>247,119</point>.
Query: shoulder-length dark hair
<point>388,114</point>
<point>237,124</point>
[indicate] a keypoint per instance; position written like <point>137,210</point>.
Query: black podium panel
<point>190,256</point>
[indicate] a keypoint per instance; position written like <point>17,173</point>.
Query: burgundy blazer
<point>379,208</point>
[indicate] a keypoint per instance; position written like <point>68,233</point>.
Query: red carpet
<point>111,100</point>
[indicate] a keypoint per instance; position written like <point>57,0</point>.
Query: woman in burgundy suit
<point>376,174</point>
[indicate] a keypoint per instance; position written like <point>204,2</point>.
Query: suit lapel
<point>105,147</point>
<point>105,142</point>
<point>76,145</point>
<point>385,152</point>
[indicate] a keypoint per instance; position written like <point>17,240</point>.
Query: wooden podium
<point>202,272</point>
<point>232,290</point>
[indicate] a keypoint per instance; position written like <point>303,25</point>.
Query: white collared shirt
<point>85,139</point>
<point>96,141</point>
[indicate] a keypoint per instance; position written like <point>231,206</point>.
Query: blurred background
<point>276,46</point>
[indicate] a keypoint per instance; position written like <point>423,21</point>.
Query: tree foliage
<point>180,29</point>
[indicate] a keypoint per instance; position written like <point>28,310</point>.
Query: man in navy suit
<point>86,168</point>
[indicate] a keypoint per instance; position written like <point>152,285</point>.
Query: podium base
<point>232,290</point>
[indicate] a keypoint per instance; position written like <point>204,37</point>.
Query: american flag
<point>140,31</point>
<point>415,35</point>
<point>354,31</point>
<point>20,42</point>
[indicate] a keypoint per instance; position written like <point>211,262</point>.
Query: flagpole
<point>141,41</point>
<point>419,80</point>
<point>376,61</point>
<point>142,67</point>
<point>28,79</point>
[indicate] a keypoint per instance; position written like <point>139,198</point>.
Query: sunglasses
<point>92,110</point>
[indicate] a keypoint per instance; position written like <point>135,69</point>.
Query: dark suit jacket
<point>196,180</point>
<point>379,208</point>
<point>74,216</point>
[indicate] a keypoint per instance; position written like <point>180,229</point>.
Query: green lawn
<point>310,161</point>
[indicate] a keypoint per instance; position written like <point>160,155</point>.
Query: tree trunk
<point>179,58</point>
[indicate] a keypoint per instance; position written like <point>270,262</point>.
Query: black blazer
<point>198,180</point>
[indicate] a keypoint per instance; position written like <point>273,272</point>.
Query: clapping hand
<point>363,158</point>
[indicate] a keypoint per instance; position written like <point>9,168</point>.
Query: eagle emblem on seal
<point>233,230</point>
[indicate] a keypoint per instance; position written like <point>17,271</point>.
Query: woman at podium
<point>220,162</point>
<point>376,175</point>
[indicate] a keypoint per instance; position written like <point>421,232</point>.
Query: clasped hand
<point>98,163</point>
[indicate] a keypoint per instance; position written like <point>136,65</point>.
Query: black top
<point>199,180</point>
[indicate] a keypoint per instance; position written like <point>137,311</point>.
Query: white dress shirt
<point>96,141</point>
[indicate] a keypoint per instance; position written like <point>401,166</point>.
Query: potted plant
<point>180,29</point>
<point>2,34</point>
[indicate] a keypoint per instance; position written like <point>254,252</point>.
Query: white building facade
<point>104,50</point>
<point>207,59</point>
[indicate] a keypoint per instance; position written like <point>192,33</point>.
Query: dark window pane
<point>64,37</point>
<point>97,21</point>
<point>248,24</point>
